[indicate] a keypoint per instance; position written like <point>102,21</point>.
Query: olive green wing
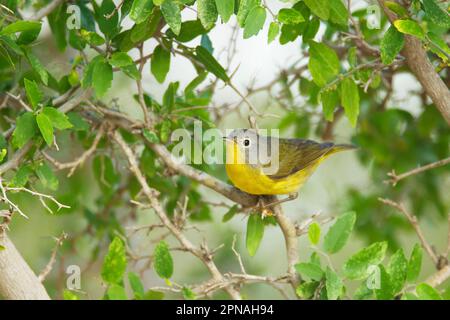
<point>298,154</point>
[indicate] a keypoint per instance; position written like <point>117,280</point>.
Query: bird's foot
<point>261,207</point>
<point>290,197</point>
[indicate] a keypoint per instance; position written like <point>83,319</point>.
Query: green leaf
<point>314,233</point>
<point>190,30</point>
<point>391,45</point>
<point>329,99</point>
<point>46,176</point>
<point>21,26</point>
<point>20,179</point>
<point>115,262</point>
<point>254,22</point>
<point>225,8</point>
<point>169,95</point>
<point>165,130</point>
<point>334,284</point>
<point>3,153</point>
<point>426,292</point>
<point>245,6</point>
<point>26,129</point>
<point>46,128</point>
<point>350,100</point>
<point>323,63</point>
<point>363,292</point>
<point>274,30</point>
<point>290,16</point>
<point>357,266</point>
<point>320,8</point>
<point>207,13</point>
<point>58,119</point>
<point>160,63</point>
<point>206,43</point>
<point>338,12</point>
<point>397,269</point>
<point>102,76</point>
<point>188,294</point>
<point>69,295</point>
<point>153,295</point>
<point>230,213</point>
<point>306,290</point>
<point>255,233</point>
<point>398,9</point>
<point>172,14</point>
<point>92,38</point>
<point>352,57</point>
<point>414,264</point>
<point>120,59</point>
<point>311,29</point>
<point>142,31</point>
<point>141,10</point>
<point>77,121</point>
<point>411,27</point>
<point>109,25</point>
<point>116,292</point>
<point>309,270</point>
<point>37,66</point>
<point>210,63</point>
<point>57,21</point>
<point>163,262</point>
<point>340,231</point>
<point>440,43</point>
<point>436,14</point>
<point>136,285</point>
<point>385,291</point>
<point>34,95</point>
<point>150,136</point>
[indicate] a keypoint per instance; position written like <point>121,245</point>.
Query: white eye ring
<point>246,142</point>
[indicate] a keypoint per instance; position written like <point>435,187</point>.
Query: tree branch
<point>420,65</point>
<point>413,221</point>
<point>17,280</point>
<point>394,178</point>
<point>151,195</point>
<point>45,11</point>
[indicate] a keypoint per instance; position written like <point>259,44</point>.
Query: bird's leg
<point>291,196</point>
<point>261,206</point>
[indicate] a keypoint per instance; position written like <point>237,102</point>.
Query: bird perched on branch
<point>264,165</point>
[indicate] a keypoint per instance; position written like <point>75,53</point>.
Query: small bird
<point>263,165</point>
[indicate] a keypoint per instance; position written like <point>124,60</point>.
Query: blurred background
<point>407,134</point>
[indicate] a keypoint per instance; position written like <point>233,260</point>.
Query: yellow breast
<point>252,180</point>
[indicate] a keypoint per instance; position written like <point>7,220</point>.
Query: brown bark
<point>420,65</point>
<point>17,280</point>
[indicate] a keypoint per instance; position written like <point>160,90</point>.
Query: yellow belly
<point>253,181</point>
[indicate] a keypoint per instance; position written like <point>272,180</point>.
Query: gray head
<point>246,139</point>
<point>254,149</point>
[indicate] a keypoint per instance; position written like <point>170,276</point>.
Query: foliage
<point>343,76</point>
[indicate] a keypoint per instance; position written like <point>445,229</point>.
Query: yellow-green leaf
<point>411,27</point>
<point>115,262</point>
<point>162,260</point>
<point>45,127</point>
<point>350,99</point>
<point>255,233</point>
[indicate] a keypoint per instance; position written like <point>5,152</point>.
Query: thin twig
<point>73,165</point>
<point>413,221</point>
<point>48,268</point>
<point>395,178</point>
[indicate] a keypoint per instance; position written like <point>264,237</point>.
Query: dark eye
<point>246,142</point>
